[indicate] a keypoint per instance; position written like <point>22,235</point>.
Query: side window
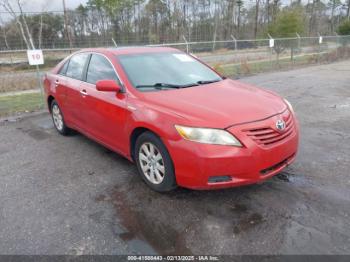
<point>76,66</point>
<point>63,69</point>
<point>100,69</point>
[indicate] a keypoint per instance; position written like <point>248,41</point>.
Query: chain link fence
<point>19,89</point>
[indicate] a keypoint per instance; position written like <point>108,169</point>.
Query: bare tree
<point>268,11</point>
<point>24,21</point>
<point>239,4</point>
<point>216,21</point>
<point>20,20</point>
<point>4,33</point>
<point>66,28</point>
<point>257,5</point>
<point>40,31</point>
<point>275,9</point>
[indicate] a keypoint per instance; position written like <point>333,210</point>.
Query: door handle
<point>83,92</point>
<point>57,82</point>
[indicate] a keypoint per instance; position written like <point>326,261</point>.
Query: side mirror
<point>108,86</point>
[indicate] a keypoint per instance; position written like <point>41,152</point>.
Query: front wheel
<point>154,163</point>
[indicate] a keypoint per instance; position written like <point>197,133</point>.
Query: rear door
<point>58,85</point>
<point>75,73</point>
<point>105,112</point>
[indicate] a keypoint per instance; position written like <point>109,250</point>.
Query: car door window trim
<point>65,71</point>
<point>86,66</point>
<point>115,71</point>
<point>109,64</point>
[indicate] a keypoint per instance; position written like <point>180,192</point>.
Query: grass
<point>253,67</point>
<point>18,82</point>
<point>12,104</point>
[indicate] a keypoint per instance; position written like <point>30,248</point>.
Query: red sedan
<point>180,121</point>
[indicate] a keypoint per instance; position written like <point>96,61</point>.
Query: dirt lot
<point>69,195</point>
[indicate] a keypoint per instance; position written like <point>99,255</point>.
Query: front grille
<point>266,135</point>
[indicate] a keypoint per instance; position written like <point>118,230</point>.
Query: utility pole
<point>66,23</point>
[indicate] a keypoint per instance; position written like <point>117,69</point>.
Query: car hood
<point>218,105</point>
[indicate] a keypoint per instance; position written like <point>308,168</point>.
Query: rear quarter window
<point>63,69</point>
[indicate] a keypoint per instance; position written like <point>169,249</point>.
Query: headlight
<point>207,136</point>
<point>289,105</point>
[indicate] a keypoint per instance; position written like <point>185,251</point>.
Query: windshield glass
<point>151,71</point>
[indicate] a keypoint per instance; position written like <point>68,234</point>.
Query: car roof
<point>131,50</point>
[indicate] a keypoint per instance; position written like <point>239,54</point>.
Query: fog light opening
<point>219,179</point>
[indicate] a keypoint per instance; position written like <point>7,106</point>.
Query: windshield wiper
<point>204,82</point>
<point>159,86</point>
<point>166,85</point>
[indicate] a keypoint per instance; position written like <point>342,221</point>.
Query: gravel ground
<point>69,195</point>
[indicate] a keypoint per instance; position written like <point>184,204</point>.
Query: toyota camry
<point>178,120</point>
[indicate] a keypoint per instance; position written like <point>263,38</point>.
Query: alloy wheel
<point>57,117</point>
<point>151,162</point>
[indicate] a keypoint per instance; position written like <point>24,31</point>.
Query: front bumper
<point>197,165</point>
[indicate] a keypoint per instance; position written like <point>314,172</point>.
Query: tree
<point>287,24</point>
<point>45,27</point>
<point>333,5</point>
<point>257,4</point>
<point>344,28</point>
<point>156,11</point>
<point>4,34</point>
<point>97,22</point>
<point>20,20</point>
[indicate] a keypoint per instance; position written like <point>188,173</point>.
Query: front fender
<point>159,121</point>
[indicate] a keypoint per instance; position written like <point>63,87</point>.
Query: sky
<point>43,5</point>
<point>49,5</point>
<point>56,5</point>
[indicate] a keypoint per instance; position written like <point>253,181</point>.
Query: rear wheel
<point>58,119</point>
<point>154,163</point>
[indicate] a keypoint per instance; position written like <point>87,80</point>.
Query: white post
<point>336,44</point>
<point>235,41</point>
<point>320,40</point>
<point>187,47</point>
<point>40,84</point>
<point>35,57</point>
<point>271,45</point>
<point>114,43</point>
<point>299,38</point>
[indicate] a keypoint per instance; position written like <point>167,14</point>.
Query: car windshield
<point>162,71</point>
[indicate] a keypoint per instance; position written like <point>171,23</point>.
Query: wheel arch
<point>134,135</point>
<point>50,98</point>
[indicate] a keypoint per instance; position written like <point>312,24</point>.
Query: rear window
<point>76,66</point>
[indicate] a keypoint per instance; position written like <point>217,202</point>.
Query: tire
<point>58,119</point>
<point>157,169</point>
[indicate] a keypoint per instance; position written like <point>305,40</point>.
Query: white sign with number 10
<point>35,57</point>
